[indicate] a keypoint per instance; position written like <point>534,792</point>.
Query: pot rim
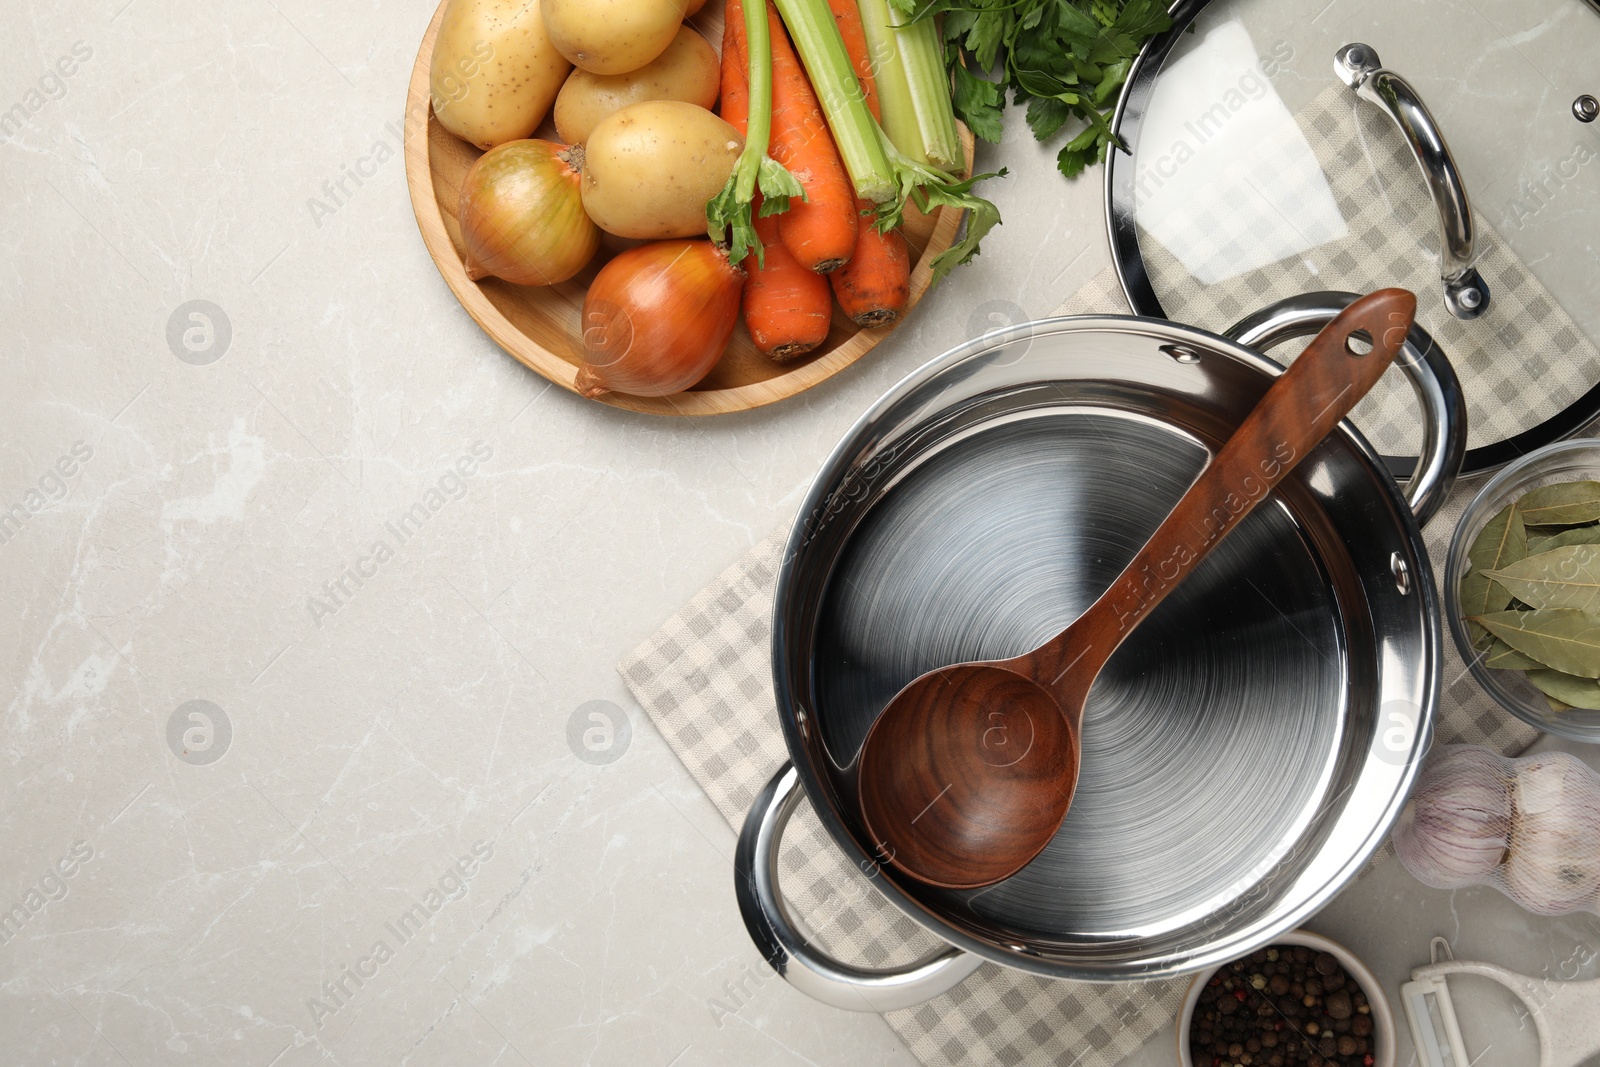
<point>1025,957</point>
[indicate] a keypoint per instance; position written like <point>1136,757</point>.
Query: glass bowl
<point>1565,461</point>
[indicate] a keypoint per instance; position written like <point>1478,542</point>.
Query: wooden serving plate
<point>540,324</point>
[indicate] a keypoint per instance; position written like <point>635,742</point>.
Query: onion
<point>522,216</point>
<point>657,318</point>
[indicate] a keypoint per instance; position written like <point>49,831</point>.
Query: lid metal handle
<point>1466,294</point>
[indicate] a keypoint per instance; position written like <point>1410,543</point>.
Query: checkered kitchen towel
<point>1338,204</point>
<point>705,679</point>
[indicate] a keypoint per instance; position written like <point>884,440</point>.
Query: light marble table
<point>203,500</point>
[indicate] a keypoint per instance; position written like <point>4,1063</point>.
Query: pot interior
<point>1227,741</point>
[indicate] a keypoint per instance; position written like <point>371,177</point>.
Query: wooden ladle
<point>965,777</point>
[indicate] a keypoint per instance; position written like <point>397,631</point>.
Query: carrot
<point>735,86</point>
<point>847,16</point>
<point>787,308</point>
<point>821,230</point>
<point>756,175</point>
<point>875,286</point>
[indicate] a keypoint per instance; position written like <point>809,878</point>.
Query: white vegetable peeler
<point>1566,1015</point>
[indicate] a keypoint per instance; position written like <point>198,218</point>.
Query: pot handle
<point>1444,408</point>
<point>787,949</point>
<point>1466,294</point>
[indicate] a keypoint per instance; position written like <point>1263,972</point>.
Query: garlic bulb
<point>1554,867</point>
<point>1530,827</point>
<point>1455,830</point>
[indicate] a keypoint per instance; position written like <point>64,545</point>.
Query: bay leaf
<point>1562,638</point>
<point>1566,689</point>
<point>1557,706</point>
<point>1502,541</point>
<point>1562,504</point>
<point>1578,535</point>
<point>1561,578</point>
<point>1481,639</point>
<point>1503,657</point>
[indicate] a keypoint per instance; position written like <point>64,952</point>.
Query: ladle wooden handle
<point>1301,407</point>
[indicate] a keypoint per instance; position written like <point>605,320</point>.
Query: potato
<point>688,70</point>
<point>649,169</point>
<point>612,36</point>
<point>495,72</point>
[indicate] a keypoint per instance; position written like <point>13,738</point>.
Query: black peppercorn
<point>1281,1007</point>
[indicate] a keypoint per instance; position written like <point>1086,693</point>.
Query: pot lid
<point>1277,148</point>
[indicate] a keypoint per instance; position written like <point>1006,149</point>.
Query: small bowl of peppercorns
<point>1302,1001</point>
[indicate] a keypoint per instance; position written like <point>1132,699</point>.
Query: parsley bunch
<point>1065,58</point>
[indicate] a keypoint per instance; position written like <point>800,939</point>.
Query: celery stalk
<point>880,172</point>
<point>889,76</point>
<point>728,214</point>
<point>922,59</point>
<point>913,85</point>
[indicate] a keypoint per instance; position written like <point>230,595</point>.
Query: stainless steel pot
<point>1246,750</point>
